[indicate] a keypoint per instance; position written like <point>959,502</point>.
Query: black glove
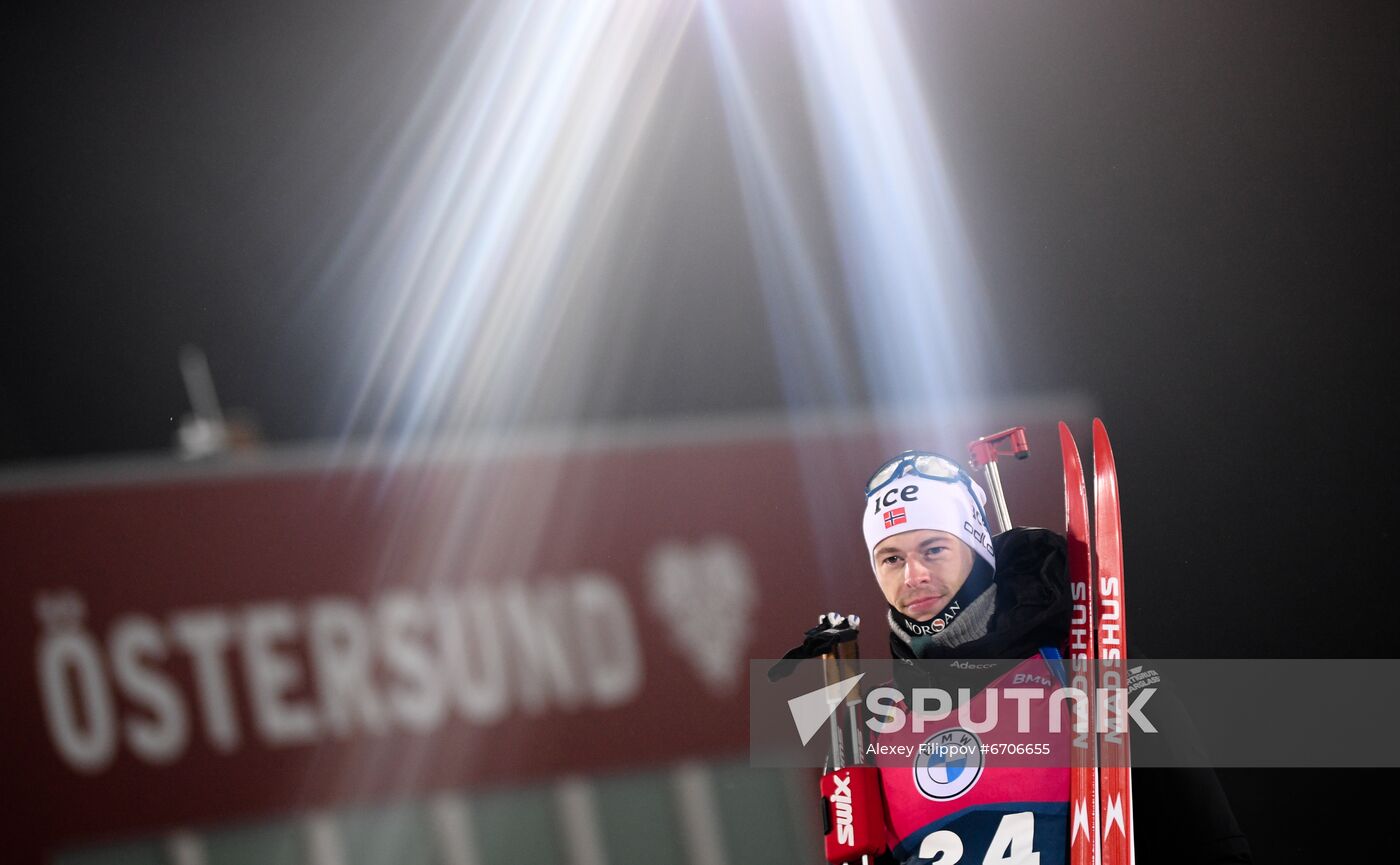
<point>819,641</point>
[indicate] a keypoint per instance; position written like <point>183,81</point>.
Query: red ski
<point>1083,773</point>
<point>1115,778</point>
<point>1101,792</point>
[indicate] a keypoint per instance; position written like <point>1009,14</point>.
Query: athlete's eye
<point>890,560</point>
<point>933,551</point>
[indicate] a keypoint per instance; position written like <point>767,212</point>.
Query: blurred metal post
<point>203,432</point>
<point>452,825</point>
<point>323,843</point>
<point>185,848</point>
<point>699,816</point>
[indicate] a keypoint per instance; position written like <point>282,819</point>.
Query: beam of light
<point>805,326</point>
<point>488,232</point>
<point>491,211</point>
<point>913,288</point>
<point>804,308</point>
<point>896,321</point>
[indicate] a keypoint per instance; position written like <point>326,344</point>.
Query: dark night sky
<point>1185,211</point>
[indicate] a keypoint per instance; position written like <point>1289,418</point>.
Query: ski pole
<point>852,804</point>
<point>841,663</point>
<point>984,451</point>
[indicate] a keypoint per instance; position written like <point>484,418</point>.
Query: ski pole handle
<point>853,827</point>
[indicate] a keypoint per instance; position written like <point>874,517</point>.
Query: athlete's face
<point>921,570</point>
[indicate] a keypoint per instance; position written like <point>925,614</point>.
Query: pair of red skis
<point>1101,790</point>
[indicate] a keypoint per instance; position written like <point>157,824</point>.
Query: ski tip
<point>1067,438</point>
<point>1069,451</point>
<point>1103,448</point>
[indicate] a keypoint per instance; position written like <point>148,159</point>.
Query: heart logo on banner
<point>706,594</point>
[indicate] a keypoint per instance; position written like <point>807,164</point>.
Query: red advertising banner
<point>190,644</point>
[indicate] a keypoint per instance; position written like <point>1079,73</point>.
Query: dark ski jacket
<point>1180,815</point>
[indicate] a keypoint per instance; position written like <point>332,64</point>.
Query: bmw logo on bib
<point>949,763</point>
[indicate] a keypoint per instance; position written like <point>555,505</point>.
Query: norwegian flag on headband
<point>895,517</point>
